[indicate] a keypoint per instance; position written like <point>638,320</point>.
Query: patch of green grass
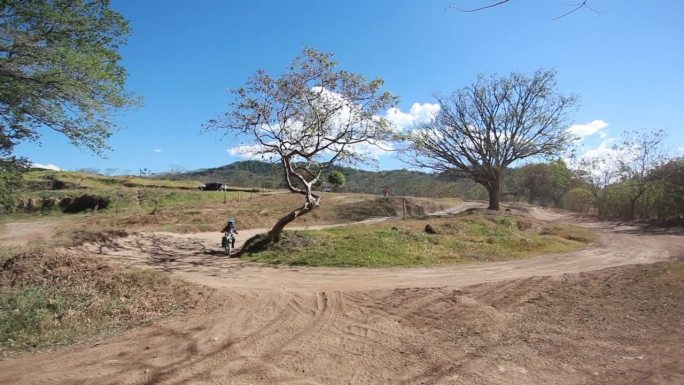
<point>464,239</point>
<point>35,317</point>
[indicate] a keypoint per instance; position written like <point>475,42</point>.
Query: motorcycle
<point>227,242</point>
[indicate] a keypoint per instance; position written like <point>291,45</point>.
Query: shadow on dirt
<point>167,253</point>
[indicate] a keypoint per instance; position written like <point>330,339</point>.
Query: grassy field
<point>253,211</point>
<point>463,239</point>
<point>137,204</point>
<point>55,180</point>
<point>51,298</point>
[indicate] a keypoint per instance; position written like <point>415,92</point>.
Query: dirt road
<point>199,258</point>
<point>19,233</point>
<point>392,326</point>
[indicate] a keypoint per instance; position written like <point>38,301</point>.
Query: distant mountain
<point>252,173</point>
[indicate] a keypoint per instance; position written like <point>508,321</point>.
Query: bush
<point>83,203</point>
<point>579,199</point>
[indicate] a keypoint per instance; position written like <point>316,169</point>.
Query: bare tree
<point>599,173</point>
<point>483,128</point>
<point>626,169</point>
<point>642,152</point>
<point>175,171</point>
<point>308,119</point>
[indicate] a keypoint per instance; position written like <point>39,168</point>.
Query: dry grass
<point>50,298</point>
<point>254,210</point>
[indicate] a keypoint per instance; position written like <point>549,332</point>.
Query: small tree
<point>619,179</point>
<point>599,173</point>
<point>483,128</point>
<point>11,181</point>
<point>308,119</point>
<point>337,179</point>
<point>667,189</point>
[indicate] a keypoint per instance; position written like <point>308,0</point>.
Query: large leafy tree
<point>60,70</point>
<point>482,128</point>
<point>308,119</point>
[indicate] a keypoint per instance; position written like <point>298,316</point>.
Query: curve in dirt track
<point>197,258</point>
<point>337,326</point>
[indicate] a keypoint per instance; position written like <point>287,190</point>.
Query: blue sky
<point>625,64</point>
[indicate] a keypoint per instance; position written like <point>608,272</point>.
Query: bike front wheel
<point>229,245</point>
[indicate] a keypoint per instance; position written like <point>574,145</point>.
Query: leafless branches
<point>575,7</point>
<point>496,4</point>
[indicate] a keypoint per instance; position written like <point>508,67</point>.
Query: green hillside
<point>253,173</point>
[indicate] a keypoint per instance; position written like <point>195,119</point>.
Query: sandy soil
<point>19,233</point>
<point>553,319</point>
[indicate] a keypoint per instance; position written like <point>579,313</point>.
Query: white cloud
<point>157,150</point>
<point>48,166</point>
<point>604,157</point>
<point>419,113</point>
<point>293,137</point>
<point>680,149</point>
<point>604,150</point>
<point>588,129</point>
<point>252,152</point>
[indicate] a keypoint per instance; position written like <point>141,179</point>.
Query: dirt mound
<point>44,266</point>
<point>54,297</point>
<point>384,207</point>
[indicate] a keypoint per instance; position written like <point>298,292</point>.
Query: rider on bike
<point>230,229</point>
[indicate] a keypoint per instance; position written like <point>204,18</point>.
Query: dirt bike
<point>227,241</point>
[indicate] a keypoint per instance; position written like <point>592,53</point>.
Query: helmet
<point>231,220</point>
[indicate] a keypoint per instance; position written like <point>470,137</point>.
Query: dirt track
<point>17,233</point>
<point>198,258</point>
<point>395,326</point>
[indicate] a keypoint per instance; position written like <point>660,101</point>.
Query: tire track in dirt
<point>193,258</point>
<point>338,326</point>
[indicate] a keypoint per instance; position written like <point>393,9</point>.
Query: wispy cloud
<point>48,166</point>
<point>158,151</point>
<point>588,129</point>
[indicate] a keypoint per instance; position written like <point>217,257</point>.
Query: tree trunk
<point>494,196</point>
<point>274,233</point>
<point>312,201</point>
<point>632,209</point>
